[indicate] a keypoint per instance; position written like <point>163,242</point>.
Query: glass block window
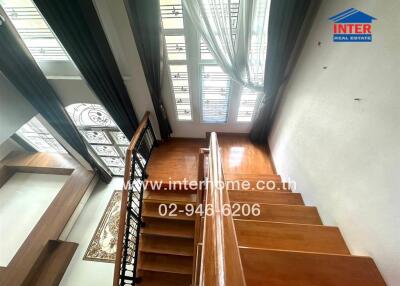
<point>248,102</point>
<point>35,134</point>
<point>101,133</point>
<point>215,90</point>
<point>34,31</point>
<point>175,42</point>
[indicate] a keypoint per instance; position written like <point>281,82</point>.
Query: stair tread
<point>166,245</point>
<point>244,176</point>
<point>169,197</point>
<point>290,236</point>
<point>154,278</point>
<point>151,210</point>
<point>170,228</point>
<point>268,197</point>
<point>293,268</point>
<point>166,263</point>
<point>283,213</point>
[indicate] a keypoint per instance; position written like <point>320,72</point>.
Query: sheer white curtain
<point>236,34</point>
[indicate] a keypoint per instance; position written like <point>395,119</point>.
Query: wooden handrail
<point>220,261</point>
<point>201,174</point>
<point>124,200</point>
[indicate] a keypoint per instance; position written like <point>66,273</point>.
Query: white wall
<point>23,200</point>
<point>7,147</point>
<point>15,110</point>
<point>345,154</point>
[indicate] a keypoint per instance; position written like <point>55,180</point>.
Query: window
<point>35,134</point>
<point>175,42</point>
<point>102,133</point>
<point>192,63</point>
<point>215,90</point>
<point>34,31</point>
<point>248,101</point>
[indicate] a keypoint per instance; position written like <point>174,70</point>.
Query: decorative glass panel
<point>97,137</point>
<point>104,150</point>
<point>117,171</point>
<point>90,115</point>
<point>34,30</point>
<point>113,161</point>
<point>102,133</point>
<point>214,94</point>
<point>248,101</point>
<point>119,138</point>
<point>176,47</point>
<point>171,14</point>
<point>123,149</point>
<point>180,84</point>
<point>39,137</point>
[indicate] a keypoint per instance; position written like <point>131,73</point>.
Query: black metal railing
<point>136,161</point>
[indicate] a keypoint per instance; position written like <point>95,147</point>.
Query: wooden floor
<point>240,156</point>
<point>177,158</point>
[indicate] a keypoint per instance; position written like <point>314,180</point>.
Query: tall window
<point>34,31</point>
<point>175,42</point>
<point>215,90</point>
<point>248,102</point>
<point>101,133</point>
<point>35,134</point>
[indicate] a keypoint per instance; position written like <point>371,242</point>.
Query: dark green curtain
<point>78,27</point>
<point>285,22</point>
<point>144,17</point>
<point>20,68</point>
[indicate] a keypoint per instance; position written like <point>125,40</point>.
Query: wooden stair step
<point>283,213</point>
<point>52,263</point>
<point>171,228</point>
<point>152,210</point>
<point>251,176</point>
<point>169,197</point>
<point>153,278</point>
<point>166,245</point>
<point>266,197</point>
<point>289,236</point>
<point>289,268</point>
<point>166,263</point>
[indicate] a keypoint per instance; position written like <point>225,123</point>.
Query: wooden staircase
<point>166,242</point>
<point>287,244</point>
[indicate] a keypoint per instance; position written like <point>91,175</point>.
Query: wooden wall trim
<point>57,215</point>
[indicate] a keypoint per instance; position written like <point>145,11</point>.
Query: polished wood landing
<point>241,156</point>
<point>177,158</point>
